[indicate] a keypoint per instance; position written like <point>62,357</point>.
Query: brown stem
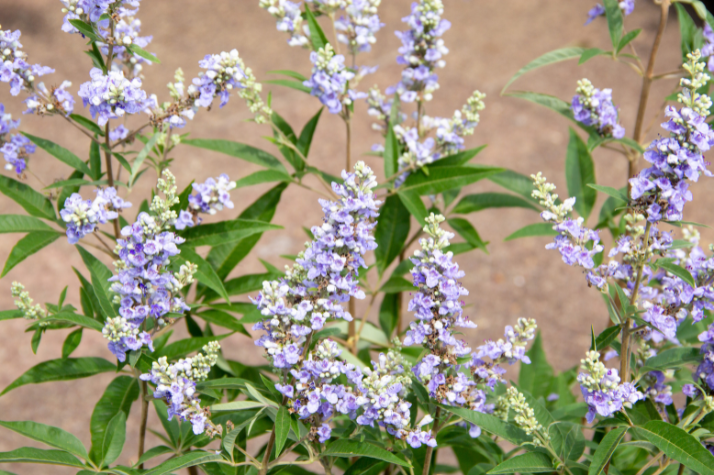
<point>352,328</point>
<point>627,327</point>
<point>130,137</point>
<point>110,172</point>
<point>429,449</point>
<point>144,418</point>
<point>647,79</point>
<point>266,456</point>
<point>193,470</point>
<point>399,298</point>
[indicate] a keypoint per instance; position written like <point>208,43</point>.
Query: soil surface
<point>489,41</point>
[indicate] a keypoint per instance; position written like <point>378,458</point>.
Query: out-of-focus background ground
<point>489,41</point>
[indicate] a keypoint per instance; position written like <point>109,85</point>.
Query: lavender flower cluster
<point>176,385</point>
<point>143,284</point>
<point>627,7</point>
<point>112,96</point>
<point>602,390</point>
<point>127,31</point>
<point>50,101</point>
<point>437,307</point>
<point>662,189</point>
<point>311,293</point>
<point>14,69</point>
<point>209,197</point>
<point>289,20</point>
<point>358,28</point>
<point>82,216</point>
<point>594,107</point>
<point>422,51</point>
<point>330,78</point>
<point>16,148</point>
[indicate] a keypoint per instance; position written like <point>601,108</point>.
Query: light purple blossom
<point>112,96</point>
<point>82,216</point>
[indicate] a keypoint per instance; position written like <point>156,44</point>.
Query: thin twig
<point>144,418</point>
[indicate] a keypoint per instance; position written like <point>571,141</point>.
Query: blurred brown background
<point>489,41</point>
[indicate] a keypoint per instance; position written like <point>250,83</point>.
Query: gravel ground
<point>489,42</point>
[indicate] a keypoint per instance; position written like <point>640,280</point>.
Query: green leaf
<point>263,176</point>
<point>87,124</point>
<point>553,103</point>
<point>389,313</point>
<point>530,462</point>
<point>614,20</point>
<point>237,406</point>
<point>80,320</point>
<point>610,191</point>
<point>676,270</point>
<point>118,397</point>
<point>396,284</point>
<point>354,448</point>
<point>607,336</point>
<point>154,452</point>
<point>551,57</point>
<point>458,159</point>
<point>605,449</point>
<point>391,150</point>
<point>205,273</point>
<point>365,466</point>
<point>32,455</point>
<point>139,51</point>
<point>31,201</point>
<point>479,201</point>
<point>86,29</point>
<point>446,178</point>
<point>239,150</point>
<point>52,436</point>
<point>141,157</point>
<point>317,36</point>
<point>28,246</point>
<point>517,183</point>
<point>60,153</point>
<point>589,54</point>
<point>114,438</point>
<point>222,319</point>
<point>189,459</point>
<point>538,229</point>
<point>71,342</point>
<point>688,31</point>
<point>490,424</point>
<point>225,257</point>
<point>282,429</point>
<point>579,173</point>
<point>61,370</point>
<point>536,377</point>
<point>391,233</point>
<point>21,223</point>
<point>629,36</point>
<point>567,440</point>
<point>308,132</point>
<point>181,348</point>
<point>672,358</point>
<point>224,232</point>
<point>412,201</point>
<point>466,230</point>
<point>679,445</point>
<point>287,72</point>
<point>100,281</point>
<point>297,85</point>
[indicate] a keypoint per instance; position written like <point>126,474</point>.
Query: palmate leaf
<point>61,370</point>
<point>52,436</point>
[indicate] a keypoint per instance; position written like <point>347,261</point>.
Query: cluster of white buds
<point>554,212</point>
<point>524,415</point>
<point>161,207</point>
<point>597,376</point>
<point>25,304</point>
<point>699,103</point>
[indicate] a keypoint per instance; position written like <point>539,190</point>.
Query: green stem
<point>429,449</point>
<point>144,419</point>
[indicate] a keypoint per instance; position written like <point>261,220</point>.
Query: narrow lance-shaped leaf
<point>480,201</point>
<point>530,462</point>
<point>579,173</point>
<point>114,438</point>
<point>60,153</point>
<point>412,201</point>
<point>308,132</point>
<point>391,232</point>
<point>32,455</point>
<point>614,20</point>
<point>538,229</point>
<point>31,201</point>
<point>238,150</point>
<point>354,448</point>
<point>61,370</point>
<point>118,397</point>
<point>100,281</point>
<point>28,246</point>
<point>52,436</point>
<point>317,36</point>
<point>679,445</point>
<point>551,57</point>
<point>282,429</point>
<point>205,273</point>
<point>605,449</point>
<point>20,223</point>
